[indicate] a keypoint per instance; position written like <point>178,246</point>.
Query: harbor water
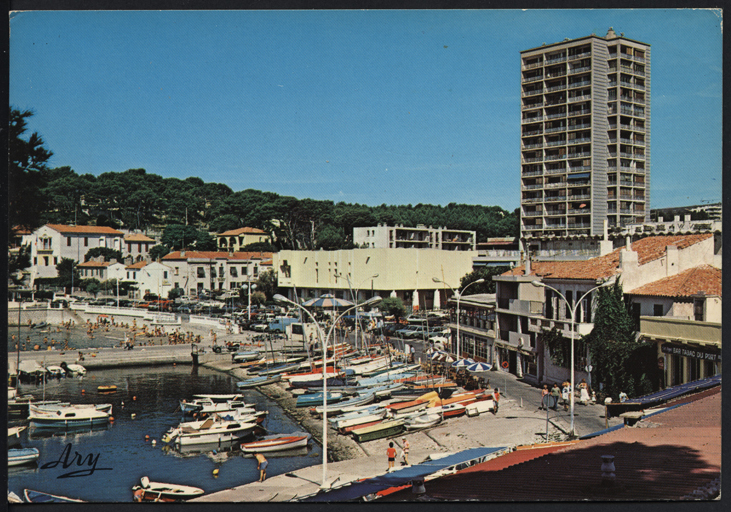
<point>102,465</point>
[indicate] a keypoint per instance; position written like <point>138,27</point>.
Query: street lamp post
<point>324,340</point>
<point>249,286</point>
<point>572,311</point>
<point>459,296</point>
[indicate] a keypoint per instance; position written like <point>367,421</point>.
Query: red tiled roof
<point>100,230</point>
<point>648,249</point>
<point>138,265</point>
<point>703,278</point>
<point>676,453</point>
<point>212,255</point>
<point>94,264</point>
<point>137,237</point>
<point>241,231</point>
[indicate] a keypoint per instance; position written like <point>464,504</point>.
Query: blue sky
<point>370,107</point>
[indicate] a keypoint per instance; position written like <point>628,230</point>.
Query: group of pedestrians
<point>391,454</point>
<point>555,396</point>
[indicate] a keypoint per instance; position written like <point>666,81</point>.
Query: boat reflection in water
<point>44,432</point>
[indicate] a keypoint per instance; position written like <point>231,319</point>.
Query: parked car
<point>401,333</point>
<point>417,332</point>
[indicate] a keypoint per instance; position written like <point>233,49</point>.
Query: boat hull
<point>275,445</point>
<point>21,456</point>
<point>378,431</point>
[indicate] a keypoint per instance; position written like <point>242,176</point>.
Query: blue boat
<point>19,456</point>
<point>315,399</point>
<point>258,381</point>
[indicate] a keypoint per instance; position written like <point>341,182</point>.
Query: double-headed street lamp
<point>354,296</point>
<point>250,287</point>
<point>572,310</point>
<point>459,296</point>
<point>324,341</point>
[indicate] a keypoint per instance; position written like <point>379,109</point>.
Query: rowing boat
<point>276,443</point>
<point>174,491</point>
<point>32,496</point>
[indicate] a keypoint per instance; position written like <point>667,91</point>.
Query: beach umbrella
<point>327,301</point>
<point>479,367</point>
<point>438,354</point>
<point>462,363</point>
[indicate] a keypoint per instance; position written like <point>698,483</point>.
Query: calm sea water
<point>152,395</point>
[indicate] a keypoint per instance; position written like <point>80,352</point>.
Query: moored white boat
<point>210,431</point>
<point>254,382</point>
<point>477,408</point>
<point>164,490</point>
<point>360,419</point>
<point>68,416</point>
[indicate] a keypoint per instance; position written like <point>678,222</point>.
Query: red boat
<point>276,443</point>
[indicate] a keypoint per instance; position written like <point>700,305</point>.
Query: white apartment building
<point>154,278</point>
<point>196,271</point>
<point>52,242</point>
<point>405,273</point>
<point>585,136</point>
<point>420,237</point>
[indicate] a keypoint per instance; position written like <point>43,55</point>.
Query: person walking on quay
<point>405,452</point>
<point>555,395</point>
<point>496,400</point>
<point>565,394</point>
<point>544,397</point>
<point>391,454</point>
<point>584,389</point>
<point>262,466</point>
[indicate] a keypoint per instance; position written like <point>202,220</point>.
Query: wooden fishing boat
<point>348,430</point>
<point>19,408</point>
<point>359,400</point>
<point>170,491</point>
<point>452,410</point>
<point>14,435</point>
<point>275,443</point>
<point>314,399</point>
<point>367,416</point>
<point>32,496</point>
<point>254,382</point>
<point>39,408</point>
<point>20,456</point>
<point>380,430</point>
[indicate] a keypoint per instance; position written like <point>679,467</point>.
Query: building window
<point>698,310</point>
<point>177,285</point>
<point>127,275</point>
<point>55,260</point>
<point>35,260</point>
<point>68,241</point>
<point>201,272</point>
<point>177,271</point>
<point>86,241</point>
<point>45,260</point>
<point>657,310</point>
<point>165,275</point>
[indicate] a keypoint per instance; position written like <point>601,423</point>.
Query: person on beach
<point>262,466</point>
<point>391,454</point>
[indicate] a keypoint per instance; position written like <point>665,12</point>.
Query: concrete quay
<point>517,422</point>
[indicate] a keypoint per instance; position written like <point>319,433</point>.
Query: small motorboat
<point>360,418</point>
<point>55,372</point>
<point>39,325</point>
<point>212,431</point>
<point>32,496</point>
<point>161,490</point>
<point>451,410</point>
<point>20,456</point>
<point>277,442</point>
<point>14,435</point>
<point>425,420</point>
<point>363,399</point>
<point>241,357</point>
<point>107,389</point>
<point>74,369</point>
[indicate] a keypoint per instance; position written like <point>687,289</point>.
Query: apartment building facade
<point>419,237</point>
<point>585,136</point>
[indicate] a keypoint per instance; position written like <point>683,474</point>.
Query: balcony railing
<point>555,212</point>
<point>556,88</point>
<point>556,116</point>
<point>530,133</point>
<point>533,65</point>
<point>579,126</point>
<point>581,112</point>
<point>532,214</point>
<point>579,168</point>
<point>554,199</point>
<point>555,60</point>
<point>583,154</point>
<point>555,130</point>
<point>527,120</point>
<point>578,197</point>
<point>580,211</point>
<point>532,79</point>
<point>582,69</point>
<point>579,55</point>
<point>560,184</point>
<point>531,93</point>
<point>584,97</point>
<point>580,141</point>
<point>532,160</point>
<point>555,171</point>
<point>556,143</point>
<point>532,187</point>
<point>554,157</point>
